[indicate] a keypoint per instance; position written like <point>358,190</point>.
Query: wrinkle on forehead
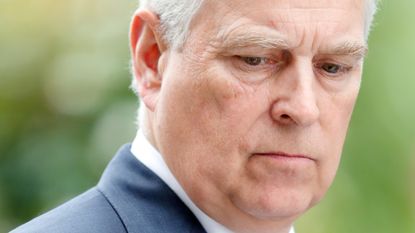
<point>267,23</point>
<point>298,9</point>
<point>261,36</point>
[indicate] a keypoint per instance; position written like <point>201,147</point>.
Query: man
<point>245,108</point>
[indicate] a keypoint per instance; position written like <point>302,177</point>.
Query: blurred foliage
<point>65,108</point>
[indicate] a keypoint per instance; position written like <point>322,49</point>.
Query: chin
<point>277,205</point>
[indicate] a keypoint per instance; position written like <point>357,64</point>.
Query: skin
<point>252,113</point>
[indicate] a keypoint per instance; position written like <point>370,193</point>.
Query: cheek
<point>340,115</point>
<point>335,121</point>
<point>209,113</point>
<point>337,108</point>
<point>235,105</point>
<point>226,115</point>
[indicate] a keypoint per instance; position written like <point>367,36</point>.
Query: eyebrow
<point>235,40</point>
<point>348,48</point>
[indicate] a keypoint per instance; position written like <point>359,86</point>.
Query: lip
<point>282,155</point>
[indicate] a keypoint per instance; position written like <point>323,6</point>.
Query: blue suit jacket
<point>128,198</point>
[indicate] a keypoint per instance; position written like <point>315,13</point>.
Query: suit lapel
<point>144,203</point>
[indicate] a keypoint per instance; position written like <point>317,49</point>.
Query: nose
<point>295,100</point>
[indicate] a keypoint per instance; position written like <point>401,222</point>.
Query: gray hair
<point>175,17</point>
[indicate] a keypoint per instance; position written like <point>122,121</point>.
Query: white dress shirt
<point>152,159</point>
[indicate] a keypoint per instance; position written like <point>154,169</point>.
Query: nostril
<point>285,116</point>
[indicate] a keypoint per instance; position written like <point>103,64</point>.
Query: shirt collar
<point>148,155</point>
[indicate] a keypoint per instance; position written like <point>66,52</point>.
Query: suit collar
<point>144,203</point>
<point>145,152</point>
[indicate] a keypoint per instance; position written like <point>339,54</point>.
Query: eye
<point>258,67</point>
<point>255,61</point>
<point>254,69</point>
<point>331,68</point>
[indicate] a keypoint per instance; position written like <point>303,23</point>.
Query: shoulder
<point>89,212</point>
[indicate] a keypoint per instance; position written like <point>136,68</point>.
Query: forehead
<point>300,9</point>
<point>295,20</point>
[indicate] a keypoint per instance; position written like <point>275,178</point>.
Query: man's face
<point>253,112</point>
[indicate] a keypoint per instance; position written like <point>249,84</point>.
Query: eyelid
<point>253,50</point>
<point>345,60</point>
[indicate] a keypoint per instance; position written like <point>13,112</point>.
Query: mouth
<point>285,156</point>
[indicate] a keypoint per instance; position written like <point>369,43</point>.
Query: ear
<point>147,52</point>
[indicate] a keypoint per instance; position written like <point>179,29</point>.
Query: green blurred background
<point>65,108</point>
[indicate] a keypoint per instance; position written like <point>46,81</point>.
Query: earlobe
<point>147,49</point>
